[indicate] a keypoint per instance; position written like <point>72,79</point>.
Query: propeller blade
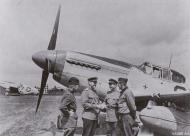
<point>46,68</point>
<point>43,84</point>
<point>52,42</point>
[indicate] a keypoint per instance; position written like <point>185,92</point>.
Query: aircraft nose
<point>40,58</point>
<point>45,60</point>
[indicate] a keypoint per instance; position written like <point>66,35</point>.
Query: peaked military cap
<point>73,81</point>
<point>122,80</point>
<point>112,81</point>
<point>93,79</point>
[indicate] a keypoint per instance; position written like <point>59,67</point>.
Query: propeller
<point>52,42</point>
<point>43,84</point>
<point>51,46</point>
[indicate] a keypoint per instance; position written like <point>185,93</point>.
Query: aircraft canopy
<point>162,73</point>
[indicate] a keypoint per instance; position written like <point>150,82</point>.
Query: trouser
<point>67,123</point>
<point>89,127</point>
<point>111,128</point>
<point>125,124</point>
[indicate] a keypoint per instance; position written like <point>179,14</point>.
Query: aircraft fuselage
<point>64,65</point>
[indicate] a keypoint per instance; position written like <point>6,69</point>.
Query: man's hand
<point>101,106</point>
<point>133,115</point>
<point>71,113</point>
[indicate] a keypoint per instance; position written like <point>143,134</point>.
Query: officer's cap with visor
<point>122,80</point>
<point>73,81</point>
<point>93,79</point>
<point>112,81</point>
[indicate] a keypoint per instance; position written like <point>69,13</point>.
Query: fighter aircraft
<point>149,83</point>
<point>17,88</point>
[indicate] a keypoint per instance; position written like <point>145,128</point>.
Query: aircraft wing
<point>180,99</point>
<point>6,85</point>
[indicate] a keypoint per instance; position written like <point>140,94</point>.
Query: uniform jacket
<point>68,103</point>
<point>126,103</point>
<point>111,101</point>
<point>89,101</point>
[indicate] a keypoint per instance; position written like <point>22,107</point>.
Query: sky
<point>133,31</point>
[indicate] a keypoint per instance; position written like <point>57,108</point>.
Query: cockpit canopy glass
<point>162,73</point>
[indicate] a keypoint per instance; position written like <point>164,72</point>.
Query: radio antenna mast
<point>170,60</point>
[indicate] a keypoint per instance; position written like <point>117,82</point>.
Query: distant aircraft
<point>15,88</point>
<point>163,87</point>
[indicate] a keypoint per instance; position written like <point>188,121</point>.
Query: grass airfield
<point>18,118</point>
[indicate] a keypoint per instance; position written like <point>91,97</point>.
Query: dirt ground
<point>18,118</point>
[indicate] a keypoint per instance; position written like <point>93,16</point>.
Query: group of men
<point>119,106</point>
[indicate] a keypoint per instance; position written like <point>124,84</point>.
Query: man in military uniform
<point>90,103</point>
<point>68,118</point>
<point>126,108</point>
<point>111,100</point>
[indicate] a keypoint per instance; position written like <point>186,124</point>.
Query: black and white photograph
<point>94,68</point>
